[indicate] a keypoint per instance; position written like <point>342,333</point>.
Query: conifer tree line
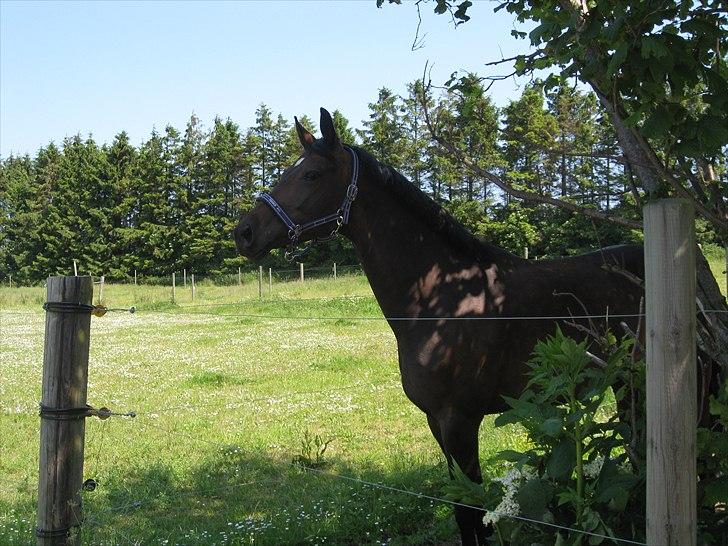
<point>171,202</point>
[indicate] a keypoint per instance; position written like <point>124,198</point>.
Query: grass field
<point>227,397</point>
<point>225,403</point>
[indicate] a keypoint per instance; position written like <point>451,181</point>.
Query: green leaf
<point>653,46</point>
<point>716,491</point>
<point>510,455</point>
<point>461,12</point>
<point>620,54</point>
<point>551,426</point>
<point>506,418</point>
<point>534,496</point>
<point>562,460</point>
<point>658,123</point>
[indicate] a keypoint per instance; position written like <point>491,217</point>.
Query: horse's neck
<point>402,257</point>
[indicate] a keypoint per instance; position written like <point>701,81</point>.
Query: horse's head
<point>310,201</point>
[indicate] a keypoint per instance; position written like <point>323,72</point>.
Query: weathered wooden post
<point>184,278</point>
<point>525,252</point>
<point>11,281</point>
<point>101,288</point>
<point>135,278</point>
<point>671,372</point>
<point>334,270</point>
<point>240,277</point>
<point>260,281</point>
<point>75,269</point>
<point>63,408</point>
<point>174,287</point>
<point>301,266</point>
<point>270,280</point>
<point>193,287</point>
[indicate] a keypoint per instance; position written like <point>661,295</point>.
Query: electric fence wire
<point>394,489</point>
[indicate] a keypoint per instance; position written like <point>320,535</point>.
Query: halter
<point>341,216</point>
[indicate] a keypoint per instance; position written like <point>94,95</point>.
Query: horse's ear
<point>304,136</point>
<point>328,131</point>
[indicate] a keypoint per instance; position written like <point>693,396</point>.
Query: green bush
<point>585,467</point>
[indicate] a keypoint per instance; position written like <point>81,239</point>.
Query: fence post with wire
<point>63,408</point>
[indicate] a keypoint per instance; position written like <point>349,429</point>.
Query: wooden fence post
<point>301,266</point>
<point>260,281</point>
<point>525,252</point>
<point>135,278</point>
<point>240,277</point>
<point>11,281</point>
<point>193,287</point>
<point>270,280</point>
<point>334,270</point>
<point>101,288</point>
<point>75,269</point>
<point>173,287</point>
<point>65,378</point>
<point>671,372</point>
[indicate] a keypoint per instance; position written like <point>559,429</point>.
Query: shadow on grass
<point>238,497</point>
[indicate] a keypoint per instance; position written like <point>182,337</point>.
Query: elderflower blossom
<point>508,506</point>
<point>593,468</point>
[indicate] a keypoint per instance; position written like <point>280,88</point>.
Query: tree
<point>121,158</point>
<point>263,132</point>
<point>383,133</point>
<point>341,124</point>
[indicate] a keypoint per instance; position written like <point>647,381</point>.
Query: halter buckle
<point>351,192</point>
<point>294,233</point>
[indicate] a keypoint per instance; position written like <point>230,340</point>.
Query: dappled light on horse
<point>442,285</point>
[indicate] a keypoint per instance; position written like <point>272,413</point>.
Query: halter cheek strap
<point>341,216</point>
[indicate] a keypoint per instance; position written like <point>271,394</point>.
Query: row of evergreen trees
<point>171,202</point>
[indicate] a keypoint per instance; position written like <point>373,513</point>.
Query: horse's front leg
<point>458,438</point>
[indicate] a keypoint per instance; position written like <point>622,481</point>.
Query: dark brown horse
<point>423,266</point>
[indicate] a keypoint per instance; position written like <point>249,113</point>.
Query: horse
<point>468,313</point>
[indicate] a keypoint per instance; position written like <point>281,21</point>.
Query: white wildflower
<point>593,468</point>
<point>508,505</point>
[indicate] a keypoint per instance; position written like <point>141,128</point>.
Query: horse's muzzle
<point>243,235</point>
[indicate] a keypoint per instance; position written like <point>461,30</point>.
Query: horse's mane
<point>425,208</point>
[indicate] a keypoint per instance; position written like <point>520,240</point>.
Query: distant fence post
<point>193,287</point>
<point>101,288</point>
<point>173,287</point>
<point>525,252</point>
<point>260,281</point>
<point>669,227</point>
<point>11,281</point>
<point>184,278</point>
<point>334,270</point>
<point>301,266</point>
<point>63,406</point>
<point>135,278</point>
<point>240,277</point>
<point>75,269</point>
<point>270,280</point>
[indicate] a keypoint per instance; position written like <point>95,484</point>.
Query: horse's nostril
<point>247,234</point>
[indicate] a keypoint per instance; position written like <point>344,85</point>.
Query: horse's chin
<point>257,254</point>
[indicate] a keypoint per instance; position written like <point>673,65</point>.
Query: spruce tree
<point>383,134</point>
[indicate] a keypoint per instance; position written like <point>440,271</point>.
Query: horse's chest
<point>440,364</point>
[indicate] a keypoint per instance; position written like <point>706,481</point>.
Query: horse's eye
<point>311,175</point>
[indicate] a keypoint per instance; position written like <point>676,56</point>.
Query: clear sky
<point>102,67</point>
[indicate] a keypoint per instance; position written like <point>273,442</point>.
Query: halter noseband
<point>341,216</point>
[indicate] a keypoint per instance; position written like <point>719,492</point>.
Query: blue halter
<point>341,216</point>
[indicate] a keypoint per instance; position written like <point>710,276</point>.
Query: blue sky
<point>102,67</point>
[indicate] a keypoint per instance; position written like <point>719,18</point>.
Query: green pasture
<point>231,392</point>
<point>227,398</point>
